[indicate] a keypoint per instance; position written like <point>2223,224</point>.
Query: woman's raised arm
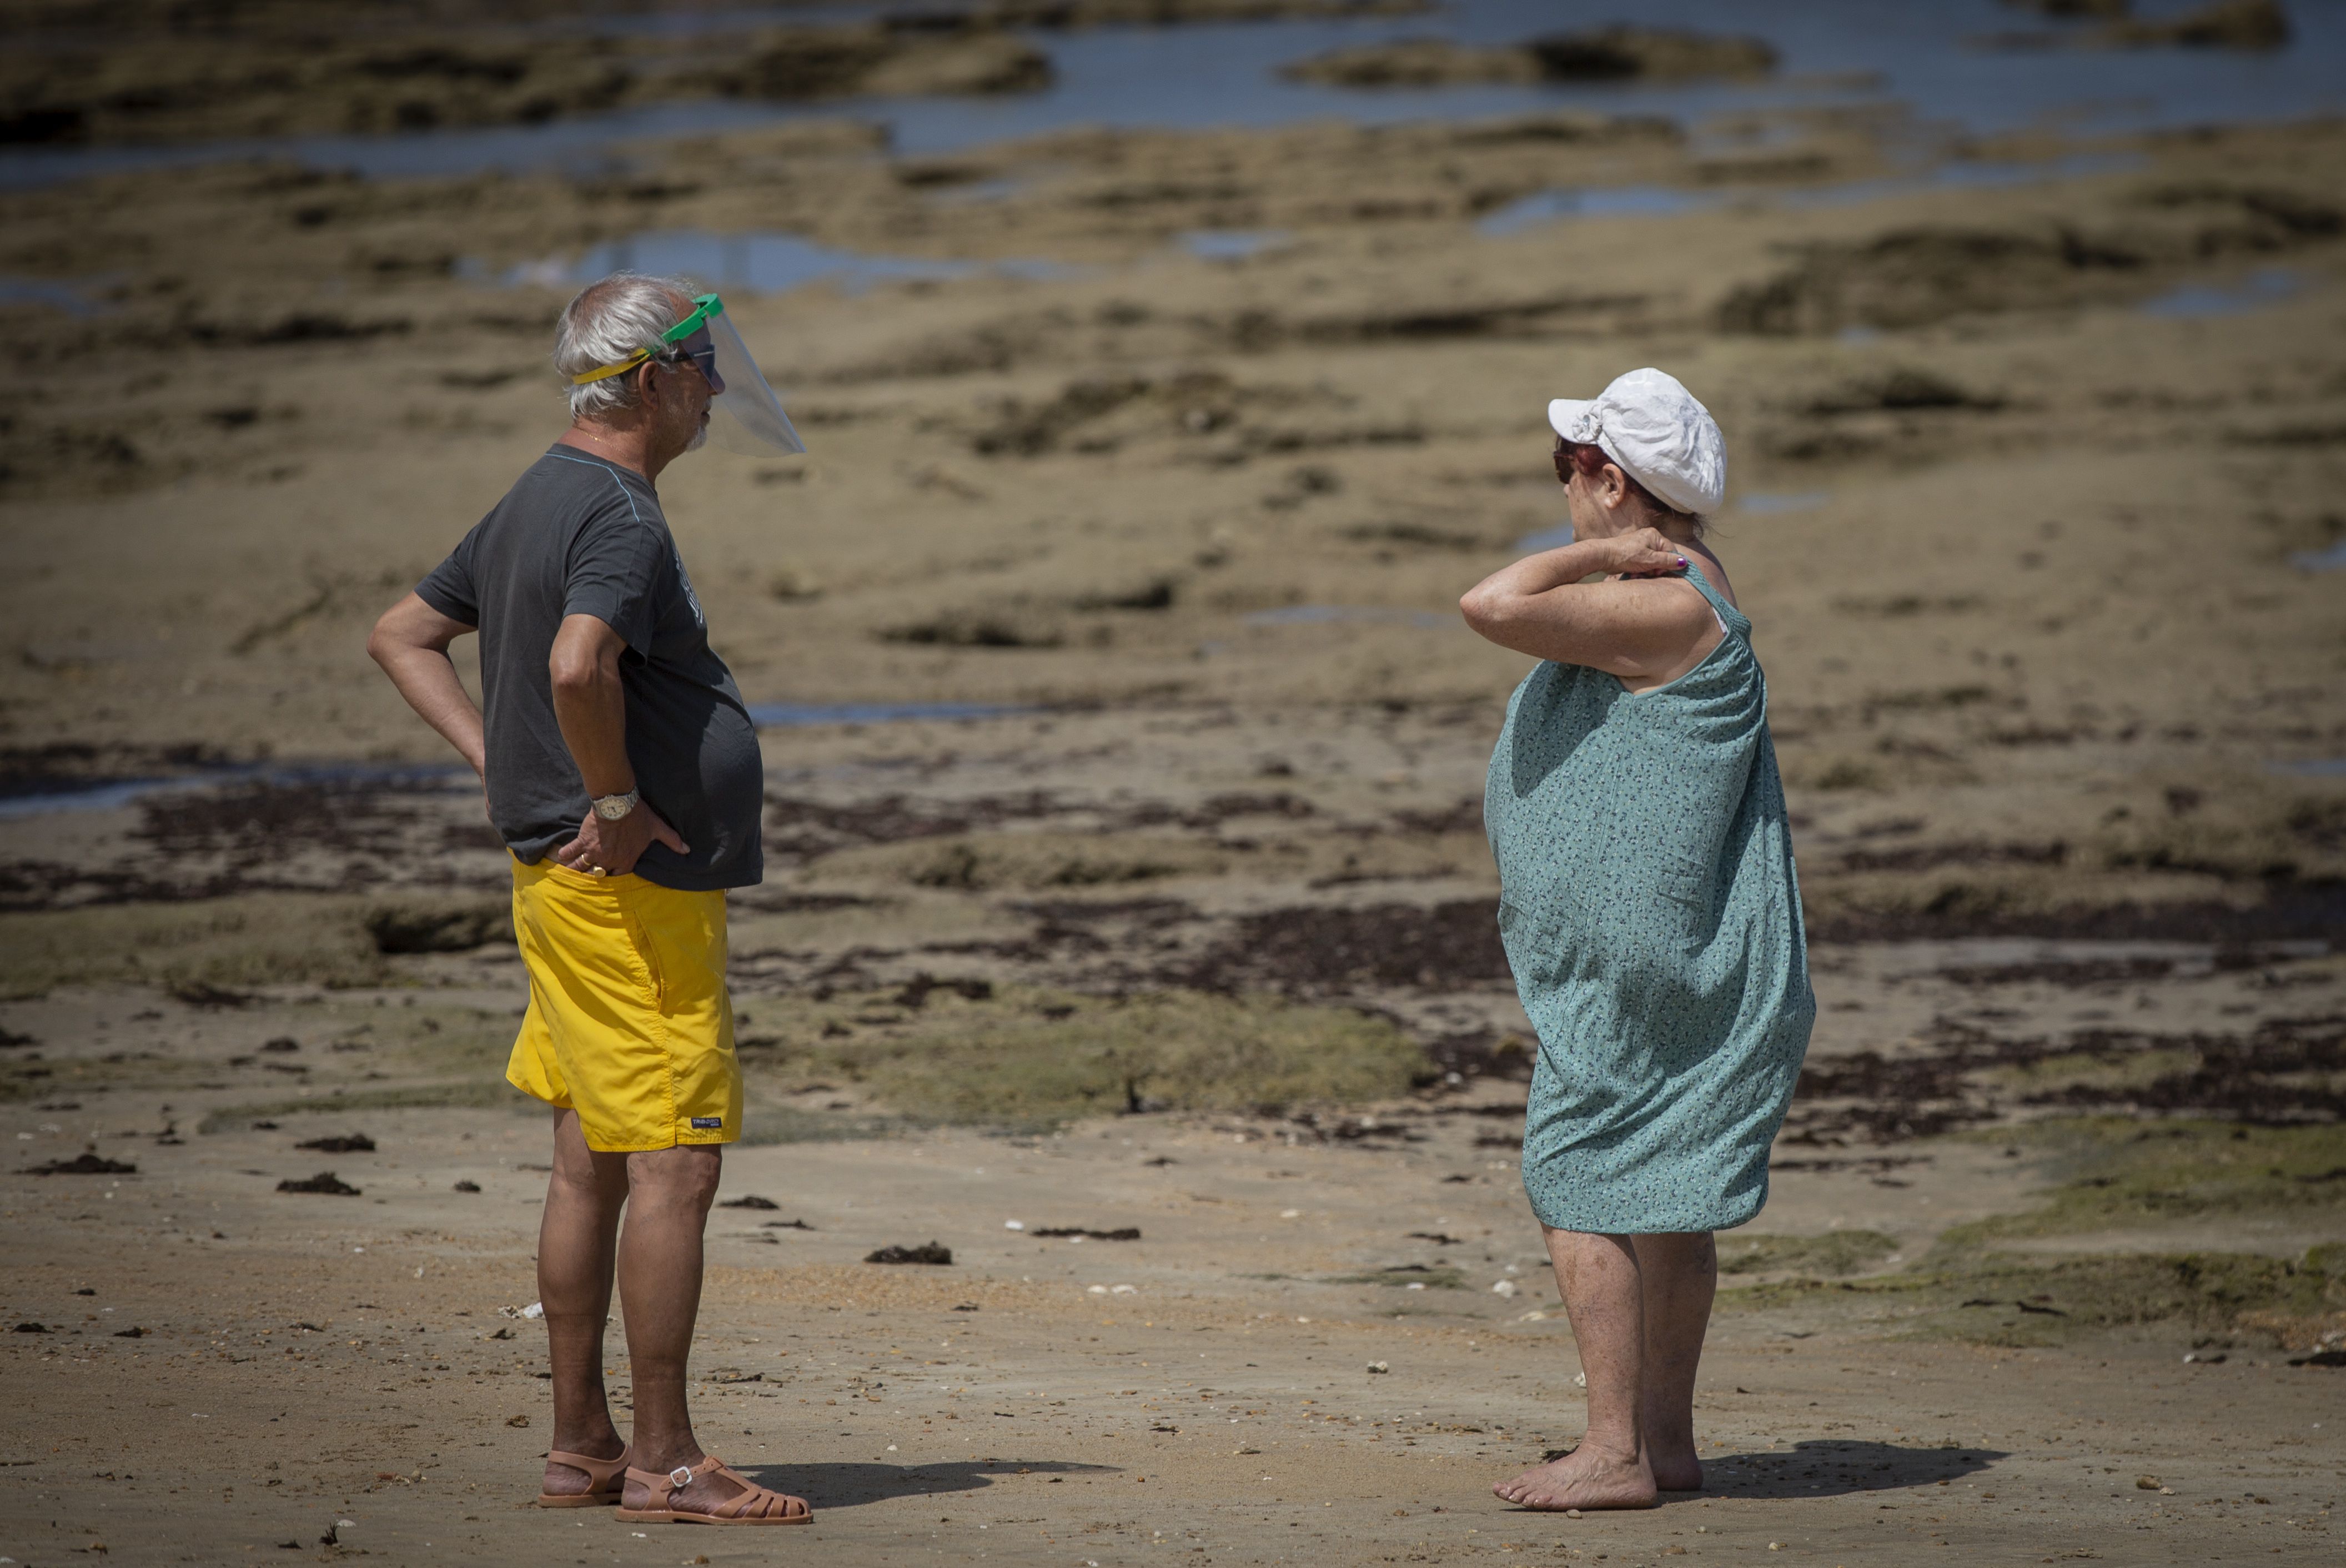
<point>1646,624</point>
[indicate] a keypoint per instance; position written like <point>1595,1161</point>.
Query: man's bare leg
<point>1599,1277</point>
<point>1677,1275</point>
<point>574,1247</point>
<point>659,1290</point>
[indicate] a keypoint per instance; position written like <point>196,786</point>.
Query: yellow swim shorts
<point>628,1021</point>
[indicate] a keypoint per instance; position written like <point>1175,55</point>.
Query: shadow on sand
<point>852,1486</point>
<point>1825,1468</point>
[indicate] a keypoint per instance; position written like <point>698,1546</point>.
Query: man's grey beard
<point>699,435</point>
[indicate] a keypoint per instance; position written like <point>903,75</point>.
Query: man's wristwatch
<point>611,808</point>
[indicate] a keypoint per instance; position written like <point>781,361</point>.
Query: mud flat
<point>1126,861</point>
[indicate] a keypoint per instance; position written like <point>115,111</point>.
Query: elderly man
<point>623,771</point>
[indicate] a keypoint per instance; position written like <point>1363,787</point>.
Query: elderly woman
<point>1649,912</point>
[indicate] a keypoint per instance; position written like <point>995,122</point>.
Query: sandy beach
<point>1125,752</point>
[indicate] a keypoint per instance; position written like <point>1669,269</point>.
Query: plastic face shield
<point>745,416</point>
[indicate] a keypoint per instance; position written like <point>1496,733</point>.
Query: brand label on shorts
<point>700,1122</point>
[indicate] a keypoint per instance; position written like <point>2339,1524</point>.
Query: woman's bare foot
<point>1585,1478</point>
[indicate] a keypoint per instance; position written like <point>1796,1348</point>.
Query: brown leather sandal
<point>603,1483</point>
<point>756,1505</point>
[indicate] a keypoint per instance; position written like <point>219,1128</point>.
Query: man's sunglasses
<point>701,350</point>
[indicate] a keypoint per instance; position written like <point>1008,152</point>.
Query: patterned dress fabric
<point>1651,914</point>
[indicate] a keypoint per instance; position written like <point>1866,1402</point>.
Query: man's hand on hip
<point>612,848</point>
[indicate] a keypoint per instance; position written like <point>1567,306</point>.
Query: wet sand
<point>2024,530</point>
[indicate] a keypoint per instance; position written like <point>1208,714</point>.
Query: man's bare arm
<point>590,703</point>
<point>410,643</point>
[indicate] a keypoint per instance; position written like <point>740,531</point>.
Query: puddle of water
<point>1666,201</point>
<point>2333,559</point>
<point>661,23</point>
<point>1232,244</point>
<point>2194,301</point>
<point>1328,615</point>
<point>73,298</point>
<point>1791,501</point>
<point>1922,53</point>
<point>799,715</point>
<point>1615,201</point>
<point>1965,175</point>
<point>754,263</point>
<point>972,193</point>
<point>2311,768</point>
<point>107,794</point>
<point>1555,538</point>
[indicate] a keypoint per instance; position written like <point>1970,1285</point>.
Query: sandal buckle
<point>680,1476</point>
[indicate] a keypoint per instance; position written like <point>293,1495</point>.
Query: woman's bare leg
<point>575,1248</point>
<point>1678,1276</point>
<point>1599,1277</point>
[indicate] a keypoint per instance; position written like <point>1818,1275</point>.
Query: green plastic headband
<point>704,306</point>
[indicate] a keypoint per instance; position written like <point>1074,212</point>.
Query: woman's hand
<point>1641,553</point>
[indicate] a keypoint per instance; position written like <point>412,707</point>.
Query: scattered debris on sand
<point>341,1144</point>
<point>928,1252</point>
<point>83,1163</point>
<point>323,1182</point>
<point>1122,1233</point>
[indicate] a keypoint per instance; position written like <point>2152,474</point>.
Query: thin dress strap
<point>1729,616</point>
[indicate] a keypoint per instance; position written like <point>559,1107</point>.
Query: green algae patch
<point>224,944</point>
<point>1835,1254</point>
<point>766,1124</point>
<point>474,1093</point>
<point>2120,1173</point>
<point>1433,1275</point>
<point>2109,1174</point>
<point>963,1054</point>
<point>2003,1298</point>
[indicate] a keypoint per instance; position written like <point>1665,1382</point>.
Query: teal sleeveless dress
<point>1650,912</point>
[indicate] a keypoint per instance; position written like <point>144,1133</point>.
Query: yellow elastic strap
<point>630,363</point>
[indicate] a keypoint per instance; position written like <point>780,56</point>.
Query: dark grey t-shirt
<point>577,535</point>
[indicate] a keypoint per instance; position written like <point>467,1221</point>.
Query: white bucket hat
<point>1651,425</point>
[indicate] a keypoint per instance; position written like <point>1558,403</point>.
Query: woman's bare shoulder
<point>1717,573</point>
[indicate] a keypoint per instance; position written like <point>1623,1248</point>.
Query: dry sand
<point>2037,640</point>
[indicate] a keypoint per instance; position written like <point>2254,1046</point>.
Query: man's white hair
<point>610,320</point>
